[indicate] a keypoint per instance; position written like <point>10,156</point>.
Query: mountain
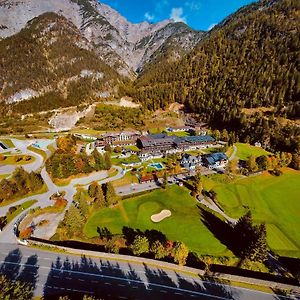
<point>50,61</point>
<point>123,45</point>
<point>243,75</point>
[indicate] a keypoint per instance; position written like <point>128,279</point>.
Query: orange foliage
<point>60,203</point>
<point>26,233</point>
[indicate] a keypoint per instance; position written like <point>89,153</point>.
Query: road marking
<point>122,285</point>
<point>163,291</point>
<point>107,283</point>
<point>135,287</point>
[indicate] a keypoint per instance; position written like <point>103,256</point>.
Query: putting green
<point>183,225</point>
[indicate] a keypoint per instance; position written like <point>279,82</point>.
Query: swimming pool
<point>42,144</point>
<point>157,166</point>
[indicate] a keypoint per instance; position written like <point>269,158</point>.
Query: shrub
<point>26,233</point>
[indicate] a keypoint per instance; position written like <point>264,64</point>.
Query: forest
<point>67,161</point>
<point>250,60</point>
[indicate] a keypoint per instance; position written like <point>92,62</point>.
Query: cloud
<point>149,17</point>
<point>211,26</point>
<point>177,15</point>
<point>193,5</point>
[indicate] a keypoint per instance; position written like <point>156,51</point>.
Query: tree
<point>107,148</point>
<point>197,184</point>
<point>263,163</point>
<point>92,189</point>
<point>232,166</point>
<point>164,184</point>
<point>14,289</point>
<point>110,194</point>
<point>107,161</point>
<point>140,245</point>
<point>251,164</point>
<point>251,239</point>
<point>99,161</point>
<point>158,249</point>
<point>180,253</point>
<point>74,221</point>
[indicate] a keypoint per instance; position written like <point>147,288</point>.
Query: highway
<point>51,274</point>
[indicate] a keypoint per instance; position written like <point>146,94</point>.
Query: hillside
<point>50,62</point>
<point>249,60</point>
<point>121,44</point>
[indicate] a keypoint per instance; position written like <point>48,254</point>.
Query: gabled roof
<point>215,157</point>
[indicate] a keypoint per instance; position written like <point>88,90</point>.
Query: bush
<point>25,233</point>
<point>12,209</point>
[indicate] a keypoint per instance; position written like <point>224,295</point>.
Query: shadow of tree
<point>19,283</point>
<point>11,265</point>
<point>221,230</point>
<point>29,273</point>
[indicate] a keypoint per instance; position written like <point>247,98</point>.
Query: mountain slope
<point>50,57</point>
<point>123,45</point>
<point>249,60</point>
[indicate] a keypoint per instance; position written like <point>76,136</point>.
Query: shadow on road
<point>22,280</point>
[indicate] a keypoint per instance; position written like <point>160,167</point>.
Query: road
<point>43,199</point>
<point>52,274</point>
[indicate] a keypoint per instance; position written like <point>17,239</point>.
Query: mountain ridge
<point>114,37</point>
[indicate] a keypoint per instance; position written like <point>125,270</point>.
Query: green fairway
<point>244,151</point>
<point>273,200</point>
<point>184,224</point>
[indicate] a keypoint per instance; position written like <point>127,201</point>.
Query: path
<point>211,205</point>
<point>7,235</point>
<point>232,156</point>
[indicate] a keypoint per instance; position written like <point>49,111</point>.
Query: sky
<point>198,14</point>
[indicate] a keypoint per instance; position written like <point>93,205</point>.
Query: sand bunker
<point>161,216</point>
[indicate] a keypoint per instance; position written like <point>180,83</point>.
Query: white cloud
<point>177,15</point>
<point>211,26</point>
<point>193,5</point>
<point>149,17</point>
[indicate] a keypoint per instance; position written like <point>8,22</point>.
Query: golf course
<point>183,225</point>
<point>273,200</point>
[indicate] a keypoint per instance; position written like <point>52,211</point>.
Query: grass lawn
<point>126,180</point>
<point>8,143</point>
<point>10,160</point>
<point>184,225</point>
<point>273,200</point>
<point>20,208</point>
<point>38,151</point>
<point>244,151</point>
<point>179,133</point>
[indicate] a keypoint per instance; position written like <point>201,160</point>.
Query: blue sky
<point>198,14</point>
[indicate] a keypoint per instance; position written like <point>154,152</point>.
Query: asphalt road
<point>52,274</point>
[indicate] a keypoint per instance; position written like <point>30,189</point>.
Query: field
<point>244,151</point>
<point>184,225</point>
<point>273,200</point>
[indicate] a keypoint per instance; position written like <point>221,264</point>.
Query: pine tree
<point>107,161</point>
<point>110,194</point>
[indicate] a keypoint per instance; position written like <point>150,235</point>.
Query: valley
<point>149,159</point>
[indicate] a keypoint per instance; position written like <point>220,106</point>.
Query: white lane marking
<point>107,283</point>
<point>122,285</point>
<point>148,283</point>
<point>163,291</point>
